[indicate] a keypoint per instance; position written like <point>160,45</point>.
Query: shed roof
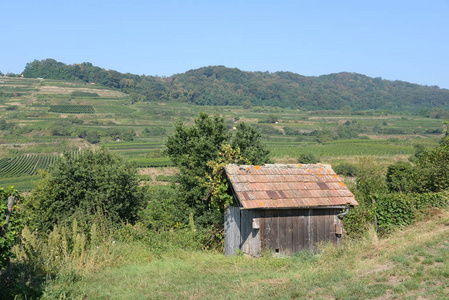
<point>288,186</point>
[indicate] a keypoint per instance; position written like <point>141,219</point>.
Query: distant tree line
<point>218,85</point>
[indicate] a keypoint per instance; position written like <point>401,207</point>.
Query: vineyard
<point>341,148</point>
<point>30,164</point>
<point>26,164</point>
<point>72,109</point>
<point>115,109</point>
<point>32,129</point>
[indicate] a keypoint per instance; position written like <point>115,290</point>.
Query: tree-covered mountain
<point>218,85</point>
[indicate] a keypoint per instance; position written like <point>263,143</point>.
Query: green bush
<point>431,172</point>
<point>399,177</point>
<point>9,232</point>
<point>163,209</point>
<point>357,220</point>
<point>394,210</point>
<point>308,158</point>
<point>93,137</point>
<point>427,200</point>
<point>346,169</point>
<point>267,129</point>
<point>83,184</point>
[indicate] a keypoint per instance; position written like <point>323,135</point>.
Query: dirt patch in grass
<point>153,172</point>
<point>378,269</point>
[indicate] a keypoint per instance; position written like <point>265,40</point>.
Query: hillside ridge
<point>219,85</point>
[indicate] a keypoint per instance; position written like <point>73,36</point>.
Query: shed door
<point>290,231</point>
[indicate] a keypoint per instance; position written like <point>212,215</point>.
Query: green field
<point>44,117</point>
<point>72,109</point>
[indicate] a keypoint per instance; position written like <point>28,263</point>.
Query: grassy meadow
<point>411,263</point>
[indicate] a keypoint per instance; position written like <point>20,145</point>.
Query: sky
<point>394,39</point>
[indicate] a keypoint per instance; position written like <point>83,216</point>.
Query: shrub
<point>93,137</point>
<point>399,177</point>
<point>154,131</point>
<point>346,169</point>
<point>267,129</point>
<point>308,158</point>
<point>431,172</point>
<point>163,209</point>
<point>394,210</point>
<point>82,185</point>
<point>269,119</point>
<point>12,107</point>
<point>291,131</point>
<point>370,182</point>
<point>357,220</point>
<point>10,230</point>
<point>427,200</point>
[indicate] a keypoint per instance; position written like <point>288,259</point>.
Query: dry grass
<point>412,263</point>
<point>153,172</point>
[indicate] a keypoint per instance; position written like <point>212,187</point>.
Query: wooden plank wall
<point>232,230</point>
<point>282,231</point>
<point>250,238</point>
<point>289,231</point>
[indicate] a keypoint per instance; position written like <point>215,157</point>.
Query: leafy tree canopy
<point>218,85</point>
<point>192,148</point>
<point>431,173</point>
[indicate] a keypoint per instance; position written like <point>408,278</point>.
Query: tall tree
<point>249,140</point>
<point>191,148</point>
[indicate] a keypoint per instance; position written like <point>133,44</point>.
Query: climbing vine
<point>216,180</point>
<point>10,223</point>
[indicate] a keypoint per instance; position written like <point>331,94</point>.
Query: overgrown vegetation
<point>11,224</point>
<point>83,185</point>
<point>403,194</point>
<point>193,148</point>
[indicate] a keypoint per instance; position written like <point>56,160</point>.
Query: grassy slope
<point>409,264</point>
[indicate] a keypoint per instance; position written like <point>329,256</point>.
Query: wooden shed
<point>284,208</point>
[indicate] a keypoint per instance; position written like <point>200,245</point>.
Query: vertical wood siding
<point>289,231</point>
<point>281,231</point>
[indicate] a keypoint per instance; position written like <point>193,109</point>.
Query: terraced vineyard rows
<point>72,109</point>
<point>27,164</point>
<point>116,109</point>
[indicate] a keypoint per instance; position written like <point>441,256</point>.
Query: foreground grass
<point>409,264</point>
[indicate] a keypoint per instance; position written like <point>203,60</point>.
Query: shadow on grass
<point>24,283</point>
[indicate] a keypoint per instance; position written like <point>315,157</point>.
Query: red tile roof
<point>288,186</point>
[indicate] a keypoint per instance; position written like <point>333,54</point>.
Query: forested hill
<point>218,85</point>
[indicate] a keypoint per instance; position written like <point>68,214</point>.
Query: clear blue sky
<point>395,39</point>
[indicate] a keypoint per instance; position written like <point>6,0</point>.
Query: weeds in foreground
<point>407,264</point>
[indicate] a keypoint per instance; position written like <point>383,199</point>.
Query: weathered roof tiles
<point>288,186</point>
